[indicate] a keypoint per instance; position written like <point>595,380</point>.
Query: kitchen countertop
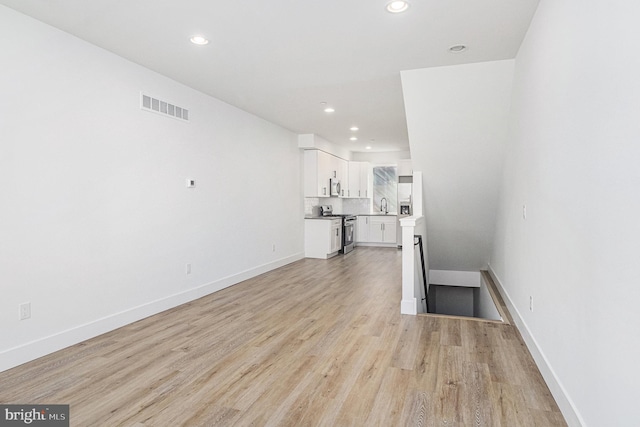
<point>322,217</point>
<point>337,217</point>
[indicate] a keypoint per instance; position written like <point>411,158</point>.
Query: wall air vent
<point>155,105</point>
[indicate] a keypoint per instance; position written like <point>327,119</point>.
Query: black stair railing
<point>417,240</point>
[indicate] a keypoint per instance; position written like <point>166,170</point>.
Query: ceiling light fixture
<point>353,138</point>
<point>199,40</point>
<point>354,128</point>
<point>329,110</point>
<point>368,147</point>
<point>458,48</point>
<point>397,6</point>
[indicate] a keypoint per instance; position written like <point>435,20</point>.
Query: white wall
<point>310,141</point>
<point>457,123</point>
<point>573,159</point>
<point>483,304</point>
<point>96,222</point>
<point>382,157</point>
<point>452,300</point>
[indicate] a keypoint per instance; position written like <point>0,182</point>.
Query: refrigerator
<point>405,203</point>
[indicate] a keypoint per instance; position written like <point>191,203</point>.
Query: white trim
<point>32,350</point>
<point>409,303</point>
<point>566,405</point>
<point>469,279</point>
<point>409,306</point>
<point>409,221</point>
<point>377,244</point>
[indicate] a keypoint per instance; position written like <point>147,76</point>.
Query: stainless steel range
<point>348,228</point>
<point>348,233</point>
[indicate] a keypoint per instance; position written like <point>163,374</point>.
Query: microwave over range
<point>334,185</point>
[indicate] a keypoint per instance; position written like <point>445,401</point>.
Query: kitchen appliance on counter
<point>348,227</point>
<point>326,210</point>
<point>405,207</point>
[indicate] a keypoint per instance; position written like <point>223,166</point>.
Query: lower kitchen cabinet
<point>322,237</point>
<point>377,229</point>
<point>383,229</point>
<point>362,229</point>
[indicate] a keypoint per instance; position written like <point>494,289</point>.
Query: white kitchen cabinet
<point>322,237</point>
<point>359,180</point>
<point>366,180</point>
<point>340,171</point>
<point>376,230</point>
<point>318,170</point>
<point>354,180</point>
<point>382,229</point>
<point>336,235</point>
<point>362,230</point>
<point>344,177</point>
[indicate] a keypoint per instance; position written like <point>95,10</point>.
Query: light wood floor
<point>318,342</point>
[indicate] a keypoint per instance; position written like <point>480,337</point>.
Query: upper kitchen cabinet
<point>360,180</point>
<point>319,169</point>
<point>366,180</point>
<point>354,180</point>
<point>340,171</point>
<point>317,173</point>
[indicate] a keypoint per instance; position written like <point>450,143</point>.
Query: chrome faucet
<point>384,206</point>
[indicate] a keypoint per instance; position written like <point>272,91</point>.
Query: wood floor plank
<point>389,402</point>
<point>314,343</point>
<point>404,352</point>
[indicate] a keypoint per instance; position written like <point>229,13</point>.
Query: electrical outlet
<point>188,269</point>
<point>25,311</point>
<point>530,303</point>
<point>274,247</point>
<point>524,211</point>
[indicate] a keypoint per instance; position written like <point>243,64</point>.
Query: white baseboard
<point>409,306</point>
<point>32,350</point>
<point>377,245</point>
<point>566,405</point>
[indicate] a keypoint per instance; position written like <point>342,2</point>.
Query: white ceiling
<point>280,60</point>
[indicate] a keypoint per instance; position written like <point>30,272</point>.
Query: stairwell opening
<point>464,294</point>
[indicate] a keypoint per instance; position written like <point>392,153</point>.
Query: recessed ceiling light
<point>353,128</point>
<point>353,138</point>
<point>368,147</point>
<point>397,6</point>
<point>458,48</point>
<point>199,40</point>
<point>329,110</point>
